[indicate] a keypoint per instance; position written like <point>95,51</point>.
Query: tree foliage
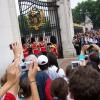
<point>23,25</point>
<point>89,7</point>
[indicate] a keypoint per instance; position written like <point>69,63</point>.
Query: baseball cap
<point>42,60</point>
<point>31,57</point>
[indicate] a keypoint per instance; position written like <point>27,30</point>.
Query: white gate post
<point>66,26</point>
<point>9,32</point>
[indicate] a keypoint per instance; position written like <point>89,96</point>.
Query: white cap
<point>31,57</point>
<point>42,60</point>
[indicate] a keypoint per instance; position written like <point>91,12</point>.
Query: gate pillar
<point>66,26</point>
<point>9,32</point>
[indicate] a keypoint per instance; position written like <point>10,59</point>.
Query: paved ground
<point>64,62</point>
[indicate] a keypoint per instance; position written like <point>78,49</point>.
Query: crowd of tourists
<point>39,77</point>
<point>89,37</point>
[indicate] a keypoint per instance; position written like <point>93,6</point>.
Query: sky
<point>73,4</point>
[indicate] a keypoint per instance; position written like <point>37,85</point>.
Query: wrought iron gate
<point>51,26</point>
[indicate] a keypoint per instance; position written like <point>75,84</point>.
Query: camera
<point>86,57</point>
<point>10,46</point>
<point>25,66</point>
<point>75,64</point>
<point>91,46</point>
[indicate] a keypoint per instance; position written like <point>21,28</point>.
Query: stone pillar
<point>9,32</point>
<point>66,25</point>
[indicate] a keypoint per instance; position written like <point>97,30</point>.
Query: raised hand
<point>83,63</point>
<point>96,47</point>
<point>84,48</point>
<point>17,50</point>
<point>33,69</point>
<point>13,76</point>
<point>13,72</point>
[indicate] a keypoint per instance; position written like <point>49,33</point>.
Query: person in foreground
<point>84,84</point>
<point>59,89</point>
<point>10,88</point>
<point>31,75</point>
<point>93,58</point>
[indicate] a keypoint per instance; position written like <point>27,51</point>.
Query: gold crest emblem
<point>36,18</point>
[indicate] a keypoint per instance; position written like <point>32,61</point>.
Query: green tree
<point>97,14</point>
<point>23,25</point>
<point>89,7</point>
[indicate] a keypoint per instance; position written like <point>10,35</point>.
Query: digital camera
<point>25,66</point>
<point>75,64</point>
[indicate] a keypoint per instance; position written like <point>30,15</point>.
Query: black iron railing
<point>51,26</point>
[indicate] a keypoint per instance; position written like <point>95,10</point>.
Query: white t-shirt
<point>53,74</point>
<point>90,40</point>
<point>61,72</point>
<point>68,97</point>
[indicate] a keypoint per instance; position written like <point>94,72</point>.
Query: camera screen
<point>75,64</point>
<point>23,67</point>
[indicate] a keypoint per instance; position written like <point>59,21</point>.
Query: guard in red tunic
<point>25,51</point>
<point>54,49</point>
<point>35,47</point>
<point>42,45</point>
<point>53,46</point>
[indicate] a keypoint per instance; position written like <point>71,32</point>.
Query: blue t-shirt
<point>81,57</point>
<point>41,79</point>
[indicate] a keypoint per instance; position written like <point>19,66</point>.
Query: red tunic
<point>54,49</point>
<point>34,45</point>
<point>47,90</point>
<point>35,48</point>
<point>42,47</point>
<point>9,96</point>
